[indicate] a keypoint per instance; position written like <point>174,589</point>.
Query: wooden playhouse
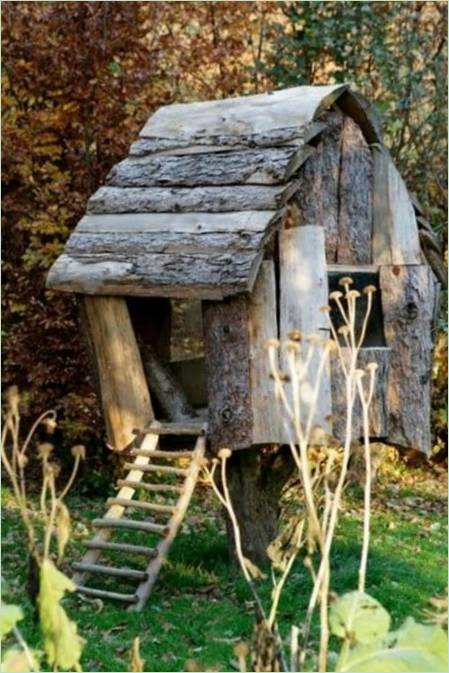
<point>248,210</point>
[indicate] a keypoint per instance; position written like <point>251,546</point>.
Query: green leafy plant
<point>368,645</point>
<point>62,644</point>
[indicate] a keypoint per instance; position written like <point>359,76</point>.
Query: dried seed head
<point>295,335</point>
<point>215,461</point>
<point>307,562</point>
<point>325,309</point>
<point>330,345</point>
<point>44,450</point>
<point>224,453</point>
<point>272,343</point>
<point>283,376</point>
<point>359,373</point>
<point>313,339</point>
<point>369,289</point>
<point>241,650</point>
<point>13,398</point>
<point>292,347</point>
<point>50,424</point>
<point>346,280</point>
<point>330,418</point>
<point>336,294</point>
<point>22,460</point>
<point>353,294</point>
<point>344,330</point>
<point>372,367</point>
<point>78,451</point>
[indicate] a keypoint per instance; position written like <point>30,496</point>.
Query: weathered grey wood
<point>129,524</point>
<point>167,242</point>
<point>363,113</point>
<point>185,427</point>
<point>227,360</point>
<point>168,455</point>
<point>182,223</point>
<point>193,199</point>
<point>111,595</point>
<point>290,135</point>
<point>153,568</point>
<point>128,573</point>
<point>121,547</point>
<point>318,178</point>
<point>200,276</point>
<point>258,167</point>
<point>140,504</point>
<point>355,217</point>
<point>164,386</point>
<point>262,325</point>
<point>152,488</point>
<point>378,414</point>
<point>162,469</point>
<point>408,301</point>
<point>395,231</point>
<point>245,117</point>
<point>303,291</point>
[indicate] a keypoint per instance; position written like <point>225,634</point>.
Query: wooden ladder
<point>144,463</point>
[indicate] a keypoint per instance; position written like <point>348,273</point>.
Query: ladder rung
<point>130,523</point>
<point>152,507</point>
<point>163,469</point>
<point>121,546</point>
<point>129,573</point>
<point>154,488</point>
<point>178,428</point>
<point>101,593</point>
<point>161,454</point>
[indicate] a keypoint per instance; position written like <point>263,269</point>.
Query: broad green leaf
<point>18,661</point>
<point>63,528</point>
<point>9,615</point>
<point>358,617</point>
<point>62,644</point>
<point>414,647</point>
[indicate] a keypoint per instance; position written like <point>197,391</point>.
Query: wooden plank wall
<point>303,291</point>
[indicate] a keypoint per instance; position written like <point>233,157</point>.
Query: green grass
<point>201,605</point>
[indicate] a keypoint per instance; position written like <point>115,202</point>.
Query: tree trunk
<point>255,479</point>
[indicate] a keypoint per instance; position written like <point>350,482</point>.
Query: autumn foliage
<point>80,79</point>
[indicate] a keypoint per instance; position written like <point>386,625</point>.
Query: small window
<point>374,333</point>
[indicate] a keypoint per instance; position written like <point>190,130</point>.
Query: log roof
<point>189,211</point>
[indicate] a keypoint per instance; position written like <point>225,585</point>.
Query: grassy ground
<point>201,606</point>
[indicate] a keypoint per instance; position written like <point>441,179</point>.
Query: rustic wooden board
<point>168,242</point>
<point>259,167</point>
<point>262,325</point>
<point>190,199</point>
<point>378,415</point>
<point>395,230</point>
<point>228,371</point>
<point>246,116</point>
<point>182,223</point>
<point>124,392</point>
<point>198,276</point>
<point>355,218</point>
<point>408,301</point>
<point>303,290</point>
<point>317,198</point>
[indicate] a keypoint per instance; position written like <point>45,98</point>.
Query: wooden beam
<point>395,230</point>
<point>355,217</point>
<point>408,296</point>
<point>262,325</point>
<point>303,290</point>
